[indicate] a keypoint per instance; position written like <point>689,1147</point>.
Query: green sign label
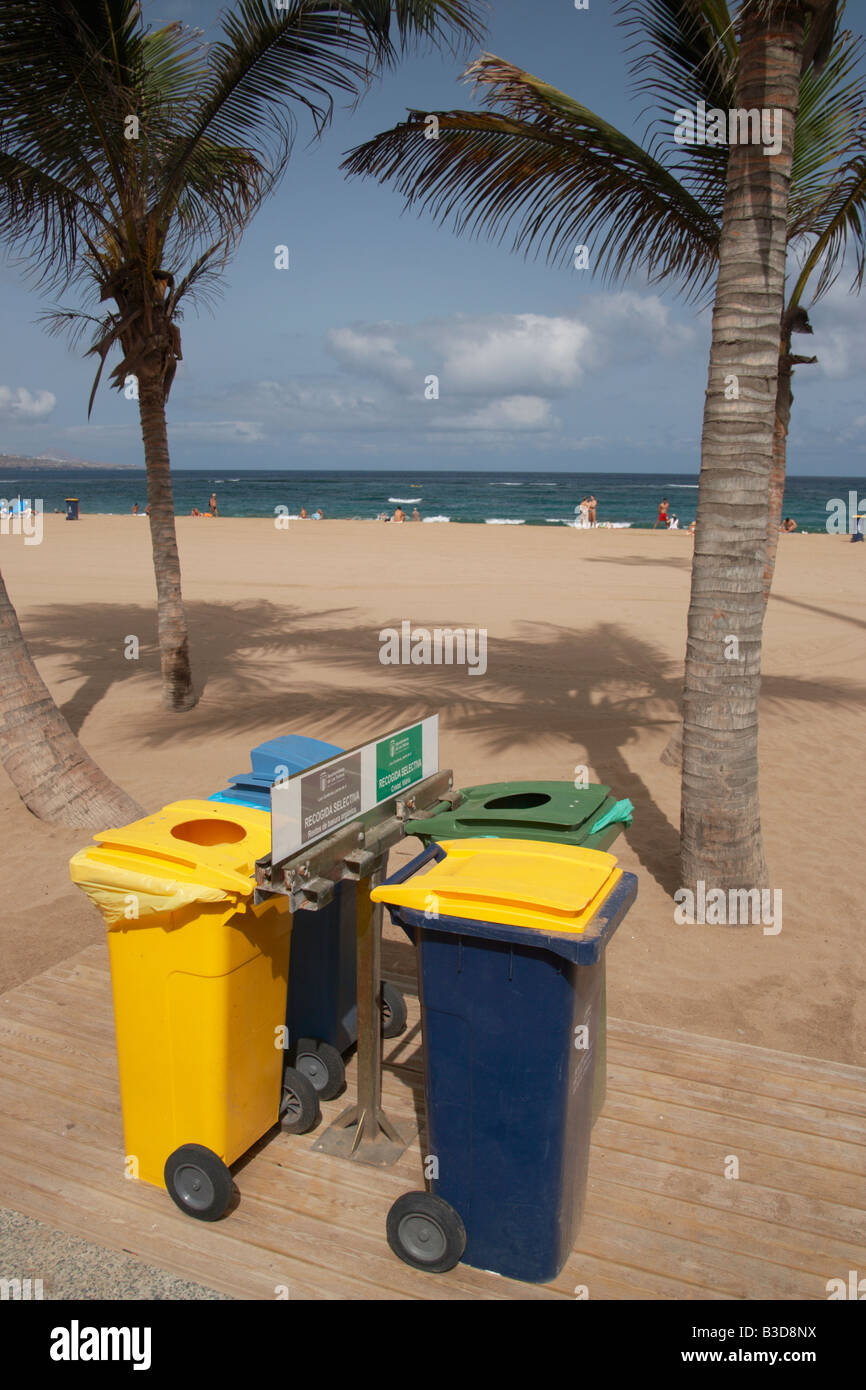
<point>399,762</point>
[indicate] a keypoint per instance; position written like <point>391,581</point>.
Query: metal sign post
<point>363,1131</point>
<point>356,849</point>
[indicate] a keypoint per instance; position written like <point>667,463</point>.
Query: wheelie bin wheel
<point>198,1182</point>
<point>299,1107</point>
<point>393,1010</point>
<point>426,1232</point>
<point>321,1064</point>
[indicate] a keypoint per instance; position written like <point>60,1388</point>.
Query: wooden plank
<point>802,1179</point>
<point>734,1104</point>
<point>818,1217</point>
<point>815,1090</point>
<point>759,1058</point>
<point>725,1227</point>
<point>661,1221</point>
<point>840,1161</point>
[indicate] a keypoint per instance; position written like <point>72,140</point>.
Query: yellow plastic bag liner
<point>522,883</point>
<point>110,888</point>
<point>191,851</point>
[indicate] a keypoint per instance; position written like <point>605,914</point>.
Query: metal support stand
<point>363,1131</point>
<point>358,852</point>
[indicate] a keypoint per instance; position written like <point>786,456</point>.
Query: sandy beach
<point>585,634</point>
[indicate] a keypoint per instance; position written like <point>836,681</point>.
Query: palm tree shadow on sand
<point>271,669</point>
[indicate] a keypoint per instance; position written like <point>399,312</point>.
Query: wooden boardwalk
<point>662,1221</point>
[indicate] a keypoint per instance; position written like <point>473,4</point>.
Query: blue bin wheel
<point>394,1013</point>
<point>299,1107</point>
<point>322,1065</point>
<point>425,1231</point>
<point>198,1182</point>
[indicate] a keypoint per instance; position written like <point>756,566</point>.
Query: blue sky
<point>323,365</point>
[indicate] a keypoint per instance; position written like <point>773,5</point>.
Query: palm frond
<point>271,62</point>
<point>551,172</point>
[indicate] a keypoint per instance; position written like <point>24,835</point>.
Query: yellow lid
<point>209,843</point>
<point>521,883</point>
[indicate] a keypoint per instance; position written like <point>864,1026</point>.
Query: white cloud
<point>372,350</point>
<point>20,405</point>
<point>509,413</point>
<point>501,376</point>
<point>839,324</point>
<point>516,353</point>
<point>189,431</point>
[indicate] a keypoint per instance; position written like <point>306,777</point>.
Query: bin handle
<point>432,851</point>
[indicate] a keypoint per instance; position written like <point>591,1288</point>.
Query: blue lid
<point>290,754</point>
<point>247,796</point>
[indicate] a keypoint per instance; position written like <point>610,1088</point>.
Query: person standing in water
<point>593,506</point>
<point>213,504</point>
<point>416,515</point>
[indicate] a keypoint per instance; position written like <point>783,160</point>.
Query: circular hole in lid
<point>209,832</point>
<point>517,801</point>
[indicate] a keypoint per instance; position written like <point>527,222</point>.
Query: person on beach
<point>213,505</point>
<point>318,514</point>
<point>399,514</point>
<point>593,506</point>
<point>303,514</point>
<point>195,512</point>
<point>663,513</point>
<point>857,533</point>
<point>583,509</point>
<point>674,523</point>
<point>789,524</point>
<point>416,515</point>
<point>135,509</point>
<point>692,528</point>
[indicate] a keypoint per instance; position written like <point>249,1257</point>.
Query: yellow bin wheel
<point>198,1182</point>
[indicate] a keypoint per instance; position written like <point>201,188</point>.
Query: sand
<point>586,635</point>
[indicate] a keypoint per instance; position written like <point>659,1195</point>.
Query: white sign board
<point>315,803</point>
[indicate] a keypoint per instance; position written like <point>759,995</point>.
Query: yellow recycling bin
<point>199,975</point>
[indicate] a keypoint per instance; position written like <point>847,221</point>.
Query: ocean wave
<point>435,518</point>
<point>504,521</point>
<point>506,484</point>
<point>689,485</point>
<point>405,499</point>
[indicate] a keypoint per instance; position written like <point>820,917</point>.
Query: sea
<point>494,499</point>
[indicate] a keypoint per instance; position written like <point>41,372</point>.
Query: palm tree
<point>543,165</point>
<point>54,776</point>
<point>720,830</point>
<point>132,161</point>
<point>540,165</point>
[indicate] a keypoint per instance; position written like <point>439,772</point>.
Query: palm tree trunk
<point>55,778</point>
<point>177,690</point>
<point>672,753</point>
<point>721,841</point>
<point>784,401</point>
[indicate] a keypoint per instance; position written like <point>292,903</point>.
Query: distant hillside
<point>47,461</point>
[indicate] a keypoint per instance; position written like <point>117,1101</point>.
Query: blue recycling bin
<point>510,1018</point>
<point>278,757</point>
<point>72,508</point>
<point>322,1003</point>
